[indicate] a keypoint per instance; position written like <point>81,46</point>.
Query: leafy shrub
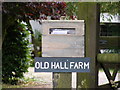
<point>15,53</point>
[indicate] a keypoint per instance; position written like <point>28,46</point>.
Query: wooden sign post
<point>90,13</point>
<point>73,38</point>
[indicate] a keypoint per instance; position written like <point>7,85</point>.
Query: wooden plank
<point>109,58</point>
<point>69,52</point>
<point>63,41</point>
<point>90,13</point>
<point>63,46</point>
<point>109,42</point>
<point>77,24</point>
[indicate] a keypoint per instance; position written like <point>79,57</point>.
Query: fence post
<point>90,13</point>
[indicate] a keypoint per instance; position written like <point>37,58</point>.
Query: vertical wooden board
<point>90,13</point>
<point>62,80</point>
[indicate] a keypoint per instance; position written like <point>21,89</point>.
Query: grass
<point>22,83</point>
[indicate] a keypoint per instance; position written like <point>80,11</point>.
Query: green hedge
<point>15,53</point>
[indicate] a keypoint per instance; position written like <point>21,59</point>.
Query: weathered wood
<point>62,80</point>
<point>90,13</point>
<point>108,58</point>
<point>63,45</point>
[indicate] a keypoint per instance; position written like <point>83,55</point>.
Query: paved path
<point>44,79</point>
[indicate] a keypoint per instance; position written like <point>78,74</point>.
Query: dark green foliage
<point>110,29</point>
<point>110,32</point>
<point>16,54</point>
<point>110,7</point>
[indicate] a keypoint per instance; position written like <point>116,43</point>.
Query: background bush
<point>15,53</point>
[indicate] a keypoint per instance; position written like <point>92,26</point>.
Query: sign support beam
<point>90,13</point>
